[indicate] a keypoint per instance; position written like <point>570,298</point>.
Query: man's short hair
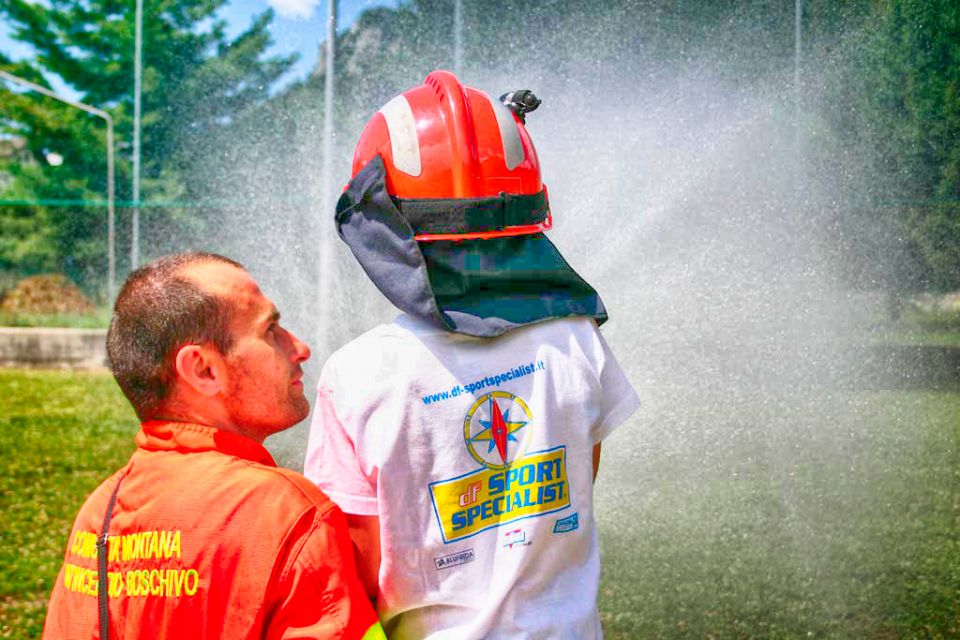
<point>158,311</point>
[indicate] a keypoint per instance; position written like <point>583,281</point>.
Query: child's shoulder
<point>379,347</point>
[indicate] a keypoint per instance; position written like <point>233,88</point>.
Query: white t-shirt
<point>476,454</point>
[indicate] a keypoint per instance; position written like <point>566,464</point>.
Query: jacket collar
<point>157,435</point>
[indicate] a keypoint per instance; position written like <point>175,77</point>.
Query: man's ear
<point>201,368</point>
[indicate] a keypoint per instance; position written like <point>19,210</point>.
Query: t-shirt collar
<point>160,435</point>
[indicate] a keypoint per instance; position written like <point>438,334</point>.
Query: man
<point>462,440</point>
<point>205,536</point>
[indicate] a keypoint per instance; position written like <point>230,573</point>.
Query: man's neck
<point>192,417</point>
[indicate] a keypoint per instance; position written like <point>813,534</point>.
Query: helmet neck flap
<point>478,287</point>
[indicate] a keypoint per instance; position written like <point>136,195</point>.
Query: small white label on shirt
<point>454,559</point>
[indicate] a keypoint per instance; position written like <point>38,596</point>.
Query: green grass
<point>820,515</point>
<point>834,515</point>
<point>100,319</point>
<point>941,328</point>
<point>61,434</point>
<point>933,338</point>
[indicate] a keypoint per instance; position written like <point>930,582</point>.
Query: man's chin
<point>303,408</point>
<point>302,417</point>
<point>281,422</point>
<point>295,417</point>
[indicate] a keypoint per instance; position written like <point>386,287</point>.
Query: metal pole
<point>328,97</point>
<point>111,255</point>
<point>326,199</point>
<point>798,20</point>
<point>111,227</point>
<point>137,72</point>
<point>457,36</point>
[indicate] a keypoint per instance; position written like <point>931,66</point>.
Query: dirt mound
<point>48,293</point>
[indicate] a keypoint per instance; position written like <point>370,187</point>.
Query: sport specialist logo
<point>511,484</point>
<point>495,429</point>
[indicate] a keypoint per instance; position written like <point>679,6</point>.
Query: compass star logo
<point>495,429</point>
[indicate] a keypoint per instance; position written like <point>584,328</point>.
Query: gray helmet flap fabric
<point>480,288</point>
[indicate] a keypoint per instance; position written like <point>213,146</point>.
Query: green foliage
<point>196,82</point>
<point>61,434</point>
<point>40,238</point>
<point>894,106</point>
<point>934,235</point>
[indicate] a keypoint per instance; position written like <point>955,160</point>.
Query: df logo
<point>496,429</point>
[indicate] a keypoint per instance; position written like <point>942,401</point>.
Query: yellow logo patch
<point>532,485</point>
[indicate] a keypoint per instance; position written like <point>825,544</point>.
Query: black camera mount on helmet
<point>521,102</point>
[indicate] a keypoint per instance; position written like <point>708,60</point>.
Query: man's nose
<point>301,351</point>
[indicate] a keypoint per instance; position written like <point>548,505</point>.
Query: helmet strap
<point>517,214</point>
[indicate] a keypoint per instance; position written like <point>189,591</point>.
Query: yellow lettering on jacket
<point>79,579</point>
<point>113,548</point>
<point>84,544</point>
<point>140,546</point>
<point>148,545</point>
<point>116,584</point>
<point>167,583</point>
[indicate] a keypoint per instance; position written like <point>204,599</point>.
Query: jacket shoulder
<point>288,486</point>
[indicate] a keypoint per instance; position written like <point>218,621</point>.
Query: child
<point>462,440</point>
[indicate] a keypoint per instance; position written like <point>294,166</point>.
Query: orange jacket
<point>210,539</point>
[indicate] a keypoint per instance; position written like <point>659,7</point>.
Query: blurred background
<point>766,195</point>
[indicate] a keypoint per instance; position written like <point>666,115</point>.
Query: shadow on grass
<point>908,367</point>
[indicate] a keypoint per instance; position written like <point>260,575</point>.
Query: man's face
<point>264,387</point>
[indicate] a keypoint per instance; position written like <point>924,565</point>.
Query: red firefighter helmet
<point>443,141</point>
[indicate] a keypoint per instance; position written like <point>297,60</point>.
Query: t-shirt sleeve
<point>317,593</point>
<point>332,463</point>
<point>618,399</point>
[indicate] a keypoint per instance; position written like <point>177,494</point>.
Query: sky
<point>298,26</point>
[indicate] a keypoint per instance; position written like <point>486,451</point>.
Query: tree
<point>196,83</point>
<point>894,109</point>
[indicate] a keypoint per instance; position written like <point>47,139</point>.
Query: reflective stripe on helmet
<point>512,145</point>
<point>404,144</point>
<point>442,140</point>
